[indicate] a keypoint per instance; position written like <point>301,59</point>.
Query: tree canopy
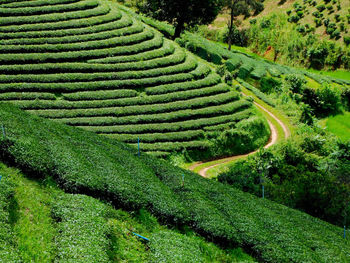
<point>182,12</point>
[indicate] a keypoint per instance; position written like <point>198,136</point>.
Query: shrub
<point>301,29</point>
<point>265,23</point>
<point>330,30</point>
<point>85,162</point>
<point>324,101</point>
<point>318,22</point>
<point>326,22</point>
<point>296,83</point>
<point>233,63</point>
<point>268,84</point>
<point>317,54</point>
<point>316,14</point>
<point>288,12</point>
<point>321,7</point>
<point>336,34</point>
<point>300,14</point>
<point>342,26</point>
<point>252,21</point>
<point>245,69</point>
<point>337,17</point>
<point>329,7</point>
<point>347,40</point>
<point>294,18</point>
<point>82,229</point>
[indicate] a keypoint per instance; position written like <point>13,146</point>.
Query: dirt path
<point>272,141</point>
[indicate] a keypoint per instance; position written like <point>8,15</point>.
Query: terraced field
<point>89,64</point>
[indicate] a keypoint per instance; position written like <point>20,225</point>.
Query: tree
<point>182,12</point>
<point>240,7</point>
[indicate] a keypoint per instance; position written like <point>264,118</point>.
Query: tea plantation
<point>92,65</point>
<point>83,162</point>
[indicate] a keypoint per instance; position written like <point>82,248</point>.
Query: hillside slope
<point>89,64</point>
<point>48,225</point>
<point>82,162</point>
<point>294,32</point>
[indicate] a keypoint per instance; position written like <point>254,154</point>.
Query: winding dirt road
<point>272,141</point>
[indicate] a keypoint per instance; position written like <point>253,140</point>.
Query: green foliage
<point>180,14</point>
<point>302,173</point>
<point>339,125</point>
<point>317,54</point>
<point>9,252</point>
<point>321,7</point>
<point>34,228</point>
<point>89,68</point>
<point>347,40</point>
<point>325,100</point>
<point>268,84</point>
<point>296,83</point>
<point>85,162</point>
<point>257,92</point>
<point>82,229</point>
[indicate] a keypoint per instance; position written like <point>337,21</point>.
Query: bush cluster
<point>87,163</point>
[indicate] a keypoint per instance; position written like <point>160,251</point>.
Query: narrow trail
<point>272,141</point>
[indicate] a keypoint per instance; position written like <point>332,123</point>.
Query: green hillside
<point>85,163</point>
<point>307,33</point>
<point>91,65</point>
<point>48,225</point>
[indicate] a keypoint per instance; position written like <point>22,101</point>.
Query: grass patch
<point>340,125</point>
<point>32,224</point>
<point>340,74</point>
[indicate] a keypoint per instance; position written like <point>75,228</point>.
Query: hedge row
<point>187,66</point>
<point>233,63</point>
<point>256,92</point>
<point>177,57</point>
<point>138,109</point>
<point>82,229</point>
<point>113,20</point>
<point>101,9</point>
<point>16,4</point>
<point>174,146</point>
<point>167,246</point>
<point>39,10</point>
<point>150,44</point>
<point>165,50</point>
<point>258,72</point>
<point>99,95</point>
<point>129,101</point>
<point>85,162</point>
<point>129,28</point>
<point>173,116</point>
<point>200,72</point>
<point>110,42</point>
<point>170,127</point>
<point>209,80</point>
<point>245,69</point>
<point>159,137</point>
<point>27,96</point>
<point>8,252</point>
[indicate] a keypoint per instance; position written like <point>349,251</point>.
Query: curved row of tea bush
<point>95,65</point>
<point>83,162</point>
<point>82,229</point>
<point>137,109</point>
<point>160,100</point>
<point>40,10</point>
<point>15,4</point>
<point>113,19</point>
